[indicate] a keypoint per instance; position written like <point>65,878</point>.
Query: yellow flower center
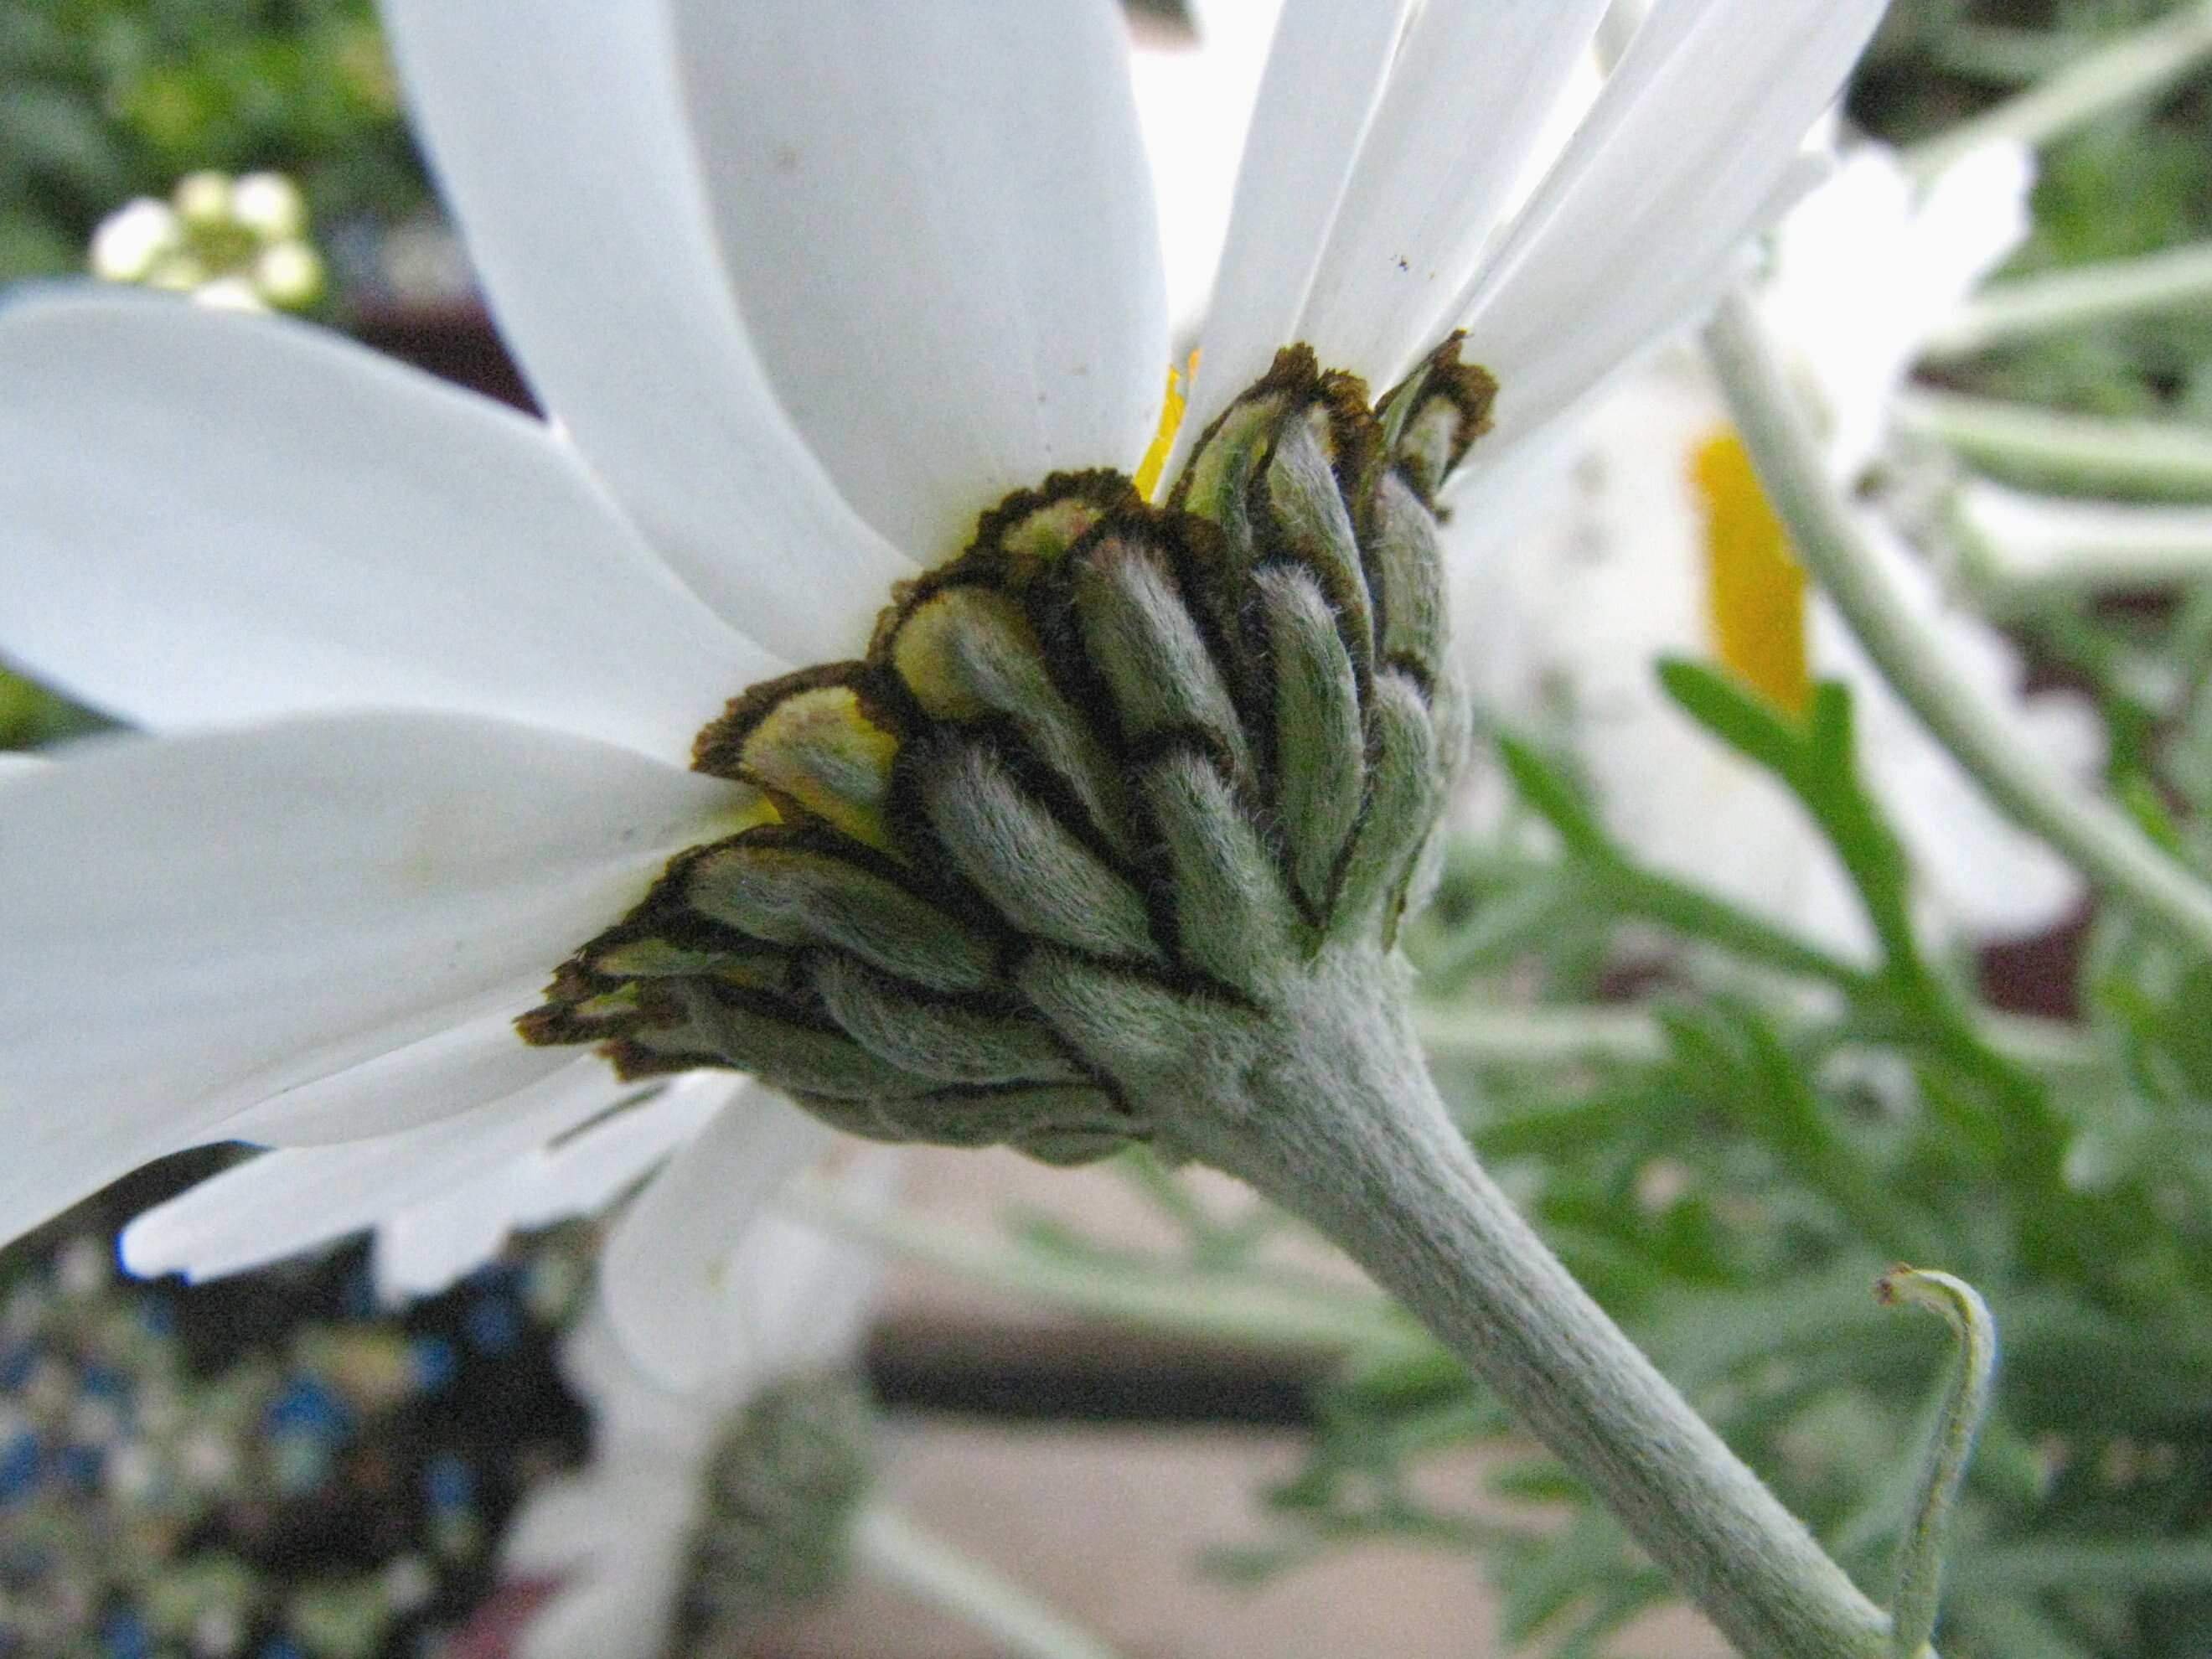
<point>1754,587</point>
<point>1171,413</point>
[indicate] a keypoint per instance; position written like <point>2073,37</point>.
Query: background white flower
<point>616,1535</point>
<point>803,287</point>
<point>1576,586</point>
<point>237,244</point>
<point>1868,269</point>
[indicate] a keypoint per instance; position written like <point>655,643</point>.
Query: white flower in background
<point>1869,267</point>
<point>423,676</point>
<point>1652,538</point>
<point>232,243</point>
<point>622,1537</point>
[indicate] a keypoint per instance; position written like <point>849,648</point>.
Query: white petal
<point>424,1248</point>
<point>13,764</point>
<point>587,1172</point>
<point>940,226</point>
<point>212,517</point>
<point>1989,879</point>
<point>1866,268</point>
<point>1324,80</point>
<point>1680,158</point>
<point>1194,102</point>
<point>293,1199</point>
<point>1655,47</point>
<point>635,1413</point>
<point>474,1062</point>
<point>666,1271</point>
<point>800,1294</point>
<point>632,1501</point>
<point>194,924</point>
<point>428,1247</point>
<point>1976,213</point>
<point>561,147</point>
<point>1461,117</point>
<point>561,1527</point>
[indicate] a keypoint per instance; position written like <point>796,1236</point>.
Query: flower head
<point>234,244</point>
<point>817,296</point>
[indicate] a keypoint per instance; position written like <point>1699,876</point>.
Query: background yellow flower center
<point>1754,588</point>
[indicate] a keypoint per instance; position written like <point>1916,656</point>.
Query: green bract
<point>1101,787</point>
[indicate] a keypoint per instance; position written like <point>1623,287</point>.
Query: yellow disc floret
<point>1171,413</point>
<point>1754,587</point>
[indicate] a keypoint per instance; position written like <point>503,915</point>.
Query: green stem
<point>2136,67</point>
<point>1332,1116</point>
<point>2132,1565</point>
<point>2041,446</point>
<point>1163,1300</point>
<point>1695,915</point>
<point>2073,298</point>
<point>1501,1034</point>
<point>889,1547</point>
<point>2030,787</point>
<point>1495,1034</point>
<point>1919,1590</point>
<point>2027,547</point>
<point>1993,51</point>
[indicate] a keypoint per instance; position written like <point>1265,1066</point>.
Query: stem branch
<point>1474,1033</point>
<point>2027,547</point>
<point>2173,276</point>
<point>1167,1300</point>
<point>889,1547</point>
<point>1966,1402</point>
<point>2168,458</point>
<point>2136,66</point>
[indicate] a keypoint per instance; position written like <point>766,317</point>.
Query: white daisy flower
<point>624,1538</point>
<point>1652,538</point>
<point>806,288</point>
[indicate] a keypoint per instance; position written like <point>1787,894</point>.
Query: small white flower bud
<point>130,240</point>
<point>178,273</point>
<point>270,206</point>
<point>289,276</point>
<point>229,294</point>
<point>203,199</point>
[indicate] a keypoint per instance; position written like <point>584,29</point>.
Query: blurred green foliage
<point>2132,184</point>
<point>104,100</point>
